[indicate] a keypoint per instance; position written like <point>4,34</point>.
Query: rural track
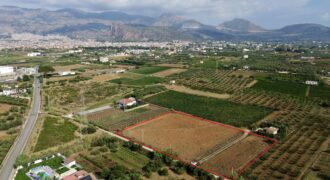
<point>218,149</point>
<point>7,170</point>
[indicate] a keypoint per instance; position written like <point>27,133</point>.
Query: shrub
<point>163,172</point>
<point>88,130</point>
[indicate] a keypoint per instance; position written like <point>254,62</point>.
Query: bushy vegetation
<point>5,145</point>
<point>148,80</point>
<point>88,130</point>
<point>55,131</point>
<point>211,108</point>
<point>150,70</point>
<point>13,101</point>
<point>139,93</point>
<point>12,118</point>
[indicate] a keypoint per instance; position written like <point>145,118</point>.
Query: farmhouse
<point>104,59</point>
<point>118,71</point>
<point>68,162</point>
<point>10,73</point>
<point>6,70</point>
<point>272,130</point>
<point>66,73</point>
<point>313,83</point>
<point>34,54</point>
<point>9,92</point>
<point>128,102</point>
<point>80,175</point>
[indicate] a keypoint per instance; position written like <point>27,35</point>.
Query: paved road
<point>7,171</point>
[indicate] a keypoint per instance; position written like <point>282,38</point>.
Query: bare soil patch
<point>68,67</point>
<point>4,108</point>
<point>237,156</point>
<point>172,65</point>
<point>3,134</point>
<point>185,136</point>
<point>104,77</point>
<point>251,83</point>
<point>169,72</point>
<point>187,90</point>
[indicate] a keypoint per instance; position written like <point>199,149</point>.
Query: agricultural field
<point>150,70</point>
<point>244,151</point>
<point>320,168</point>
<point>285,87</point>
<point>68,97</point>
<point>148,80</point>
<point>272,100</point>
<point>296,152</point>
<point>191,139</point>
<point>115,119</point>
<point>172,65</point>
<point>55,131</point>
<point>322,92</point>
<point>217,81</point>
<point>12,112</point>
<point>211,108</point>
<point>169,72</point>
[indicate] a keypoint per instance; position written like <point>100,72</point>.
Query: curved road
<point>7,170</point>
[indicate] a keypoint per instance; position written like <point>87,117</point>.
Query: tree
<point>88,130</point>
<point>21,160</point>
<point>46,69</point>
<point>26,78</point>
<point>163,172</point>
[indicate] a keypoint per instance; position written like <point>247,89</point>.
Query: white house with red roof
<point>127,102</point>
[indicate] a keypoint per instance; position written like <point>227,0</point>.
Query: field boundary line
<point>150,148</point>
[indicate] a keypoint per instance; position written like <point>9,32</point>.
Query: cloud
<point>326,16</point>
<point>209,11</point>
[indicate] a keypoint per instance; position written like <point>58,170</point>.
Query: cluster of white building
<point>10,73</point>
<point>34,54</point>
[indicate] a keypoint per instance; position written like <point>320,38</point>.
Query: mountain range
<point>120,26</point>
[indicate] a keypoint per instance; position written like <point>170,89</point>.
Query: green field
<point>148,80</point>
<point>55,132</point>
<point>211,108</point>
<point>150,70</point>
<point>121,80</point>
<point>321,91</point>
<point>284,87</point>
<point>129,158</point>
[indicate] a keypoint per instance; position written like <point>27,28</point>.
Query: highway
<point>7,170</point>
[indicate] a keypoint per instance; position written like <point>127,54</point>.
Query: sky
<point>270,14</point>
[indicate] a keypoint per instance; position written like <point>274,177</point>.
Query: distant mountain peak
<point>240,25</point>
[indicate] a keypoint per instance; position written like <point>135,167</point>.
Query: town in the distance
<point>214,103</point>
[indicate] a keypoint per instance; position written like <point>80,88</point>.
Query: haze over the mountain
<point>114,25</point>
<point>240,25</point>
